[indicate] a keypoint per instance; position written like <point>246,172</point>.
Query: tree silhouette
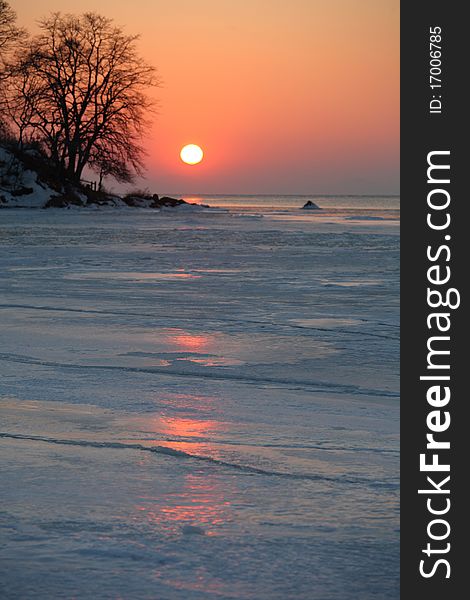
<point>9,32</point>
<point>80,89</point>
<point>10,36</point>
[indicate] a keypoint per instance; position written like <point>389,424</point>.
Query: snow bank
<point>20,187</point>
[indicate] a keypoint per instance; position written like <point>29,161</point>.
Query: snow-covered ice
<point>198,404</point>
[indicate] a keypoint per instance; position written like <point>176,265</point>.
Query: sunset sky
<point>283,97</point>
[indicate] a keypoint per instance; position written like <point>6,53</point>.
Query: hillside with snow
<point>29,180</point>
<point>21,185</point>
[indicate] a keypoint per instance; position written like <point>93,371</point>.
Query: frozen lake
<point>199,404</point>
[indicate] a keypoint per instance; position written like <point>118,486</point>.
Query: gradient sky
<point>292,97</point>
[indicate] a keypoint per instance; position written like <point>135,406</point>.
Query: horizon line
<point>294,195</point>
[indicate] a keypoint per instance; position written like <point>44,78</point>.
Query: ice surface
<point>198,405</point>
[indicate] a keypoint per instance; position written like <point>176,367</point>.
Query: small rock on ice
<point>309,205</point>
<point>192,530</point>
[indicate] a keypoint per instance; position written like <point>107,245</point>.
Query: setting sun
<point>191,154</point>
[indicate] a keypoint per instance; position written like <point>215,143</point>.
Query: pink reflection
<point>214,344</point>
<point>177,427</point>
<point>201,501</point>
<point>191,342</point>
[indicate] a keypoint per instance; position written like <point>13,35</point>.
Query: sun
<point>191,154</point>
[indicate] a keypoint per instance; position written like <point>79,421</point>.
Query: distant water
<point>387,207</point>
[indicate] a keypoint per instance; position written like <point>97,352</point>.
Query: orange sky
<point>298,96</point>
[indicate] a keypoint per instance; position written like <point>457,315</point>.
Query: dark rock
<point>63,201</point>
<point>309,205</point>
<point>141,200</point>
<point>22,191</point>
<point>130,201</point>
<point>167,201</point>
<point>56,202</point>
<point>192,530</point>
<point>98,197</point>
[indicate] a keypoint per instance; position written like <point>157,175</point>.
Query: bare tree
<point>10,33</point>
<point>81,90</point>
<point>10,36</point>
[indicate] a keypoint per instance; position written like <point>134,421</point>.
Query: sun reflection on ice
<point>205,349</point>
<point>192,428</point>
<point>200,506</point>
<point>191,342</point>
<point>195,501</point>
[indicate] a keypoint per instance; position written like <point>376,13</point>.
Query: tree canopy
<point>10,33</point>
<point>80,89</point>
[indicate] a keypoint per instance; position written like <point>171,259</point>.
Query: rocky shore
<point>27,180</point>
